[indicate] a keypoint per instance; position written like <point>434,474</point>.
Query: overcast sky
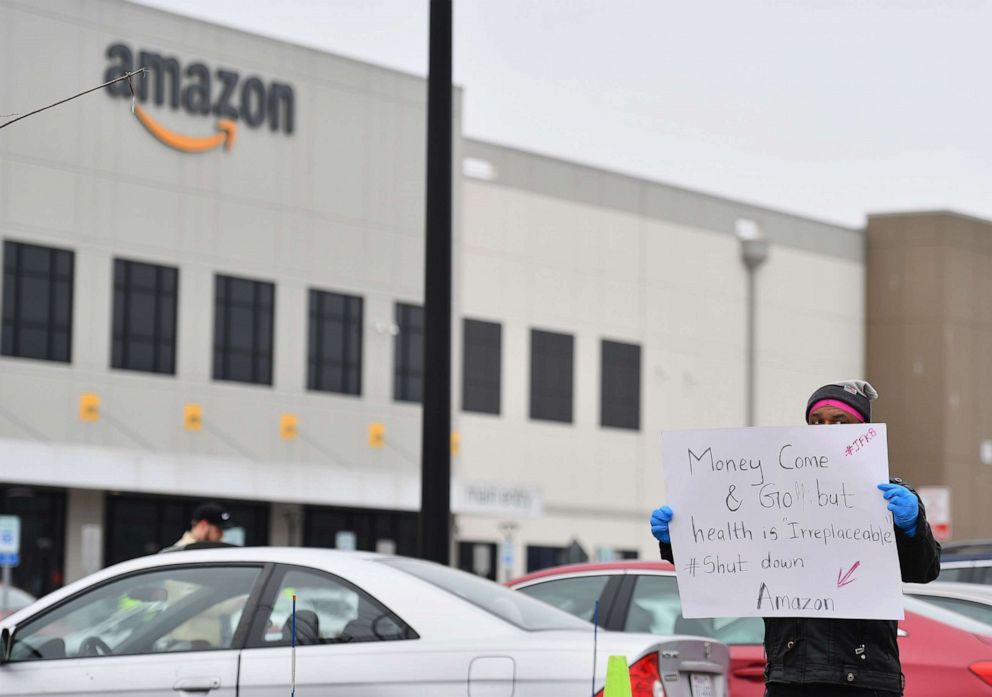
<point>828,108</point>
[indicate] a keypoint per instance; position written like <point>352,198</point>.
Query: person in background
<point>821,657</point>
<point>207,527</point>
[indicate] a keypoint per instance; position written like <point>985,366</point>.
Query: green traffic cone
<point>617,678</point>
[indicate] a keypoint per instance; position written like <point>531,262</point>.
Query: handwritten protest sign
<point>783,522</point>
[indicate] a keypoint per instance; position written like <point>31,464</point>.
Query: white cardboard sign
<point>783,522</point>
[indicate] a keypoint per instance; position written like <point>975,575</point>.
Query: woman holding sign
<point>847,657</point>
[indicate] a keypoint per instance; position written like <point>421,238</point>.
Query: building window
<point>620,385</point>
<point>37,302</point>
<point>480,366</point>
<point>243,318</point>
<point>335,362</point>
<point>389,532</point>
<point>551,360</point>
<point>145,298</point>
<point>408,354</point>
<point>541,557</point>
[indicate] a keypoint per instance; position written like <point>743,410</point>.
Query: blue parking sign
<point>10,540</point>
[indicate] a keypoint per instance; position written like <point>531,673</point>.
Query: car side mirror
<point>5,644</point>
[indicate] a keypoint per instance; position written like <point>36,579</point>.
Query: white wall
<point>537,261</point>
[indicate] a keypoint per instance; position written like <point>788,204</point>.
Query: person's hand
<point>660,518</point>
<point>904,506</point>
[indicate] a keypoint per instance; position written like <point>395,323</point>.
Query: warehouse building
<point>214,292</point>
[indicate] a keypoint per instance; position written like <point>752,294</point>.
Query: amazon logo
<point>201,92</point>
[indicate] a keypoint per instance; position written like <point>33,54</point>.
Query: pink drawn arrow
<point>846,578</point>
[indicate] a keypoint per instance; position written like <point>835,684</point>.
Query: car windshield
<point>953,619</point>
<point>510,606</point>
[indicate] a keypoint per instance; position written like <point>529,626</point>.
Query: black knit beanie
<point>856,394</point>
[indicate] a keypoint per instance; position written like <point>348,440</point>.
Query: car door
<point>348,644</point>
<point>167,631</point>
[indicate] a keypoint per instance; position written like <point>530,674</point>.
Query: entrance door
<point>140,525</point>
<point>42,514</point>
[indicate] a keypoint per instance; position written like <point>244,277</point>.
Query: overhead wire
<point>126,76</point>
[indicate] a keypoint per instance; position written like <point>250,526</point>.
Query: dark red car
<point>942,653</point>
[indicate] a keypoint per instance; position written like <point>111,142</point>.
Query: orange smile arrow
<point>227,128</point>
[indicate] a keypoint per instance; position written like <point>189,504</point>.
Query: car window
<point>655,607</point>
<point>510,606</point>
<point>576,596</point>
<point>940,614</point>
<point>969,608</point>
<point>174,609</point>
<point>328,611</point>
<point>958,573</point>
<point>983,574</point>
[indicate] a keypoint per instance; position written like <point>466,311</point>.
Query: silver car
<point>970,599</point>
<point>220,622</point>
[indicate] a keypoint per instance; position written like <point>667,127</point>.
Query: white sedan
<point>219,623</point>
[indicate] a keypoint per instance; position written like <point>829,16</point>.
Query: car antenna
<point>595,631</point>
<point>292,672</point>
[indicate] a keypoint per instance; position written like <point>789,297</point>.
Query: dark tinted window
<point>37,302</point>
<point>144,335</point>
<point>408,354</point>
<point>481,366</point>
<point>243,317</point>
<point>960,573</point>
<point>620,385</point>
<point>551,362</point>
<point>335,354</point>
<point>982,574</point>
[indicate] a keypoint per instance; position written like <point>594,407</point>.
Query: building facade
<point>930,355</point>
<point>214,292</point>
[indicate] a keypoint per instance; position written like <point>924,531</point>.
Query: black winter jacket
<point>857,653</point>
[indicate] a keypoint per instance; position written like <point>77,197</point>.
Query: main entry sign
<point>783,522</point>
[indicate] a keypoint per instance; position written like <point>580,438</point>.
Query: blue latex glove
<point>904,506</point>
<point>660,518</point>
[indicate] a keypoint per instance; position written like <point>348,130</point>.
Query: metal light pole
<point>754,252</point>
<point>434,525</point>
